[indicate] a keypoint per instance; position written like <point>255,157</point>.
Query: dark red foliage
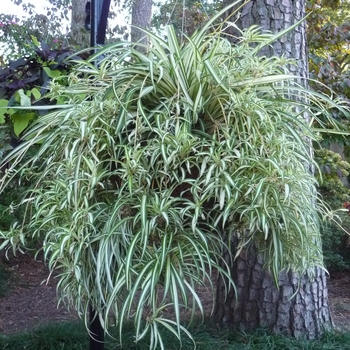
<point>346,205</point>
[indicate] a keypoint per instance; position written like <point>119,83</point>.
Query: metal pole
<point>102,24</point>
<point>93,25</point>
<point>97,333</point>
<point>98,18</point>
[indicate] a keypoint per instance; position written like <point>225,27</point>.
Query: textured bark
<point>79,36</point>
<point>275,16</point>
<point>141,17</point>
<point>299,307</point>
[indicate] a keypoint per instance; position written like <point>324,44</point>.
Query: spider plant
<point>152,158</point>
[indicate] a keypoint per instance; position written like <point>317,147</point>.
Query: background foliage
<point>328,37</point>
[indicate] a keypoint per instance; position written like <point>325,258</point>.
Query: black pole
<point>97,333</point>
<point>99,10</point>
<point>93,24</point>
<point>102,23</point>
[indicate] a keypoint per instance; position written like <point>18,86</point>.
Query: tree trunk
<point>275,16</point>
<point>299,307</point>
<point>141,17</point>
<point>79,36</point>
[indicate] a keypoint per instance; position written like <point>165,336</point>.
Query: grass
<point>64,335</point>
<point>73,336</point>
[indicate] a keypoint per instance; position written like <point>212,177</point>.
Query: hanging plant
<point>152,158</point>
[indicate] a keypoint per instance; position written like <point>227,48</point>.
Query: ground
<point>33,302</point>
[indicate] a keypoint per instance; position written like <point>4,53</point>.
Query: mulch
<point>32,300</point>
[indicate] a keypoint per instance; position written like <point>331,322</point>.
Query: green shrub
<point>335,239</point>
<point>9,213</point>
<point>336,250</point>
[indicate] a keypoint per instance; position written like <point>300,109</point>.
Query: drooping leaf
<point>45,50</point>
<point>3,103</point>
<point>23,99</point>
<point>15,85</point>
<point>20,62</point>
<point>35,41</point>
<point>52,73</point>
<point>21,120</point>
<point>36,93</point>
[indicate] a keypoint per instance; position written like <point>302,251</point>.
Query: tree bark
<point>79,36</point>
<point>141,17</point>
<point>299,306</point>
<point>275,16</point>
